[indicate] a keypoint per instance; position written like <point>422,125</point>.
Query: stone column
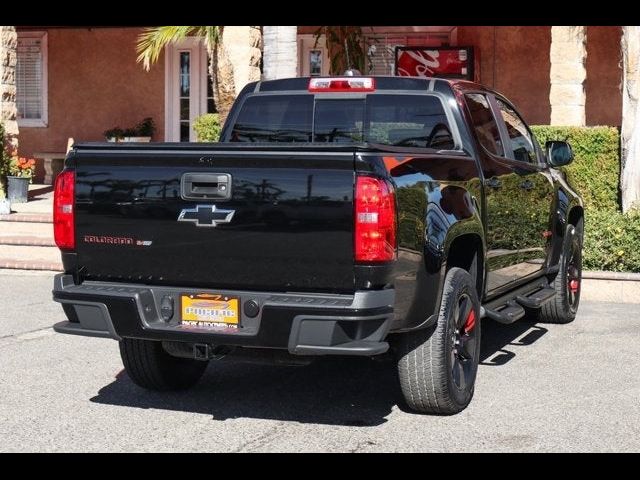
<point>630,178</point>
<point>243,46</point>
<point>568,73</point>
<point>280,52</point>
<point>8,109</point>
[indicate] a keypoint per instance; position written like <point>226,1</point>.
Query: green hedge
<point>595,173</point>
<point>612,239</point>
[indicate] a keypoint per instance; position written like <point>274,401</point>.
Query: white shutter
<point>30,76</point>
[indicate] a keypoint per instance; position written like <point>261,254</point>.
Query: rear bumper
<point>304,324</point>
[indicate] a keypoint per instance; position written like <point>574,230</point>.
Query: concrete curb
<point>30,265</point>
<point>617,287</point>
<point>28,217</point>
<point>27,240</point>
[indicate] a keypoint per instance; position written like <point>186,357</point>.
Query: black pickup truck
<point>337,216</point>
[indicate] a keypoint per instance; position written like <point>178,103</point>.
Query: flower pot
<point>129,139</point>
<point>5,206</point>
<point>18,189</point>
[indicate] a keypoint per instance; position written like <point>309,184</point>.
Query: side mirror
<point>559,153</point>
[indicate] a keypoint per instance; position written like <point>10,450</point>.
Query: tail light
<point>344,84</point>
<point>64,211</point>
<point>375,220</point>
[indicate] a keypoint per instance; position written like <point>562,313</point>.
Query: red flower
<point>22,166</point>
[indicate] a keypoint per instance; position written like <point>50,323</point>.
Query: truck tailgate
<point>287,223</point>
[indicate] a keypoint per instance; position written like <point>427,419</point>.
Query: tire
<point>150,366</point>
<point>564,306</point>
<point>436,375</point>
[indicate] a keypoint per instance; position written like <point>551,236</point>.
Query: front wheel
<point>437,366</point>
<point>567,284</point>
<point>151,367</point>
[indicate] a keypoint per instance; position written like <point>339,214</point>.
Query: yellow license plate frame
<point>206,310</point>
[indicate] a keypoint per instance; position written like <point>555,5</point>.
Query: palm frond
<point>152,41</point>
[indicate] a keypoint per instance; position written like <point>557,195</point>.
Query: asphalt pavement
<point>540,388</point>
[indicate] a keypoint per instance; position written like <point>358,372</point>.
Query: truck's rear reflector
<point>342,84</point>
<point>64,211</point>
<point>375,220</point>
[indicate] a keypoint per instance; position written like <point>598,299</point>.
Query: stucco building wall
<point>94,84</point>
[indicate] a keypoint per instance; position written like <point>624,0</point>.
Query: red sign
<point>448,62</point>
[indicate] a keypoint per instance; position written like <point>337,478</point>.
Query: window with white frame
<point>31,79</point>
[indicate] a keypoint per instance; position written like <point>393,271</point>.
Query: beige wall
<point>95,84</point>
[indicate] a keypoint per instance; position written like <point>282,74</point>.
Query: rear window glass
<point>339,121</point>
<point>400,120</point>
<point>409,121</point>
<point>274,118</point>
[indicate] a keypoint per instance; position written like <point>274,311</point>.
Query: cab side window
<point>519,136</point>
<point>484,124</point>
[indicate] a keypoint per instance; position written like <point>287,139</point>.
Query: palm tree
<point>153,40</point>
<point>280,57</point>
<point>345,45</point>
<point>630,179</point>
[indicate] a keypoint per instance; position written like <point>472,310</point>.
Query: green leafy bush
<point>207,127</point>
<point>595,172</point>
<point>612,239</point>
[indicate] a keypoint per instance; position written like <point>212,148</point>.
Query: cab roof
<point>382,83</point>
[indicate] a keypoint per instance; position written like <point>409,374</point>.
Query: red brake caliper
<point>471,322</point>
<point>574,285</point>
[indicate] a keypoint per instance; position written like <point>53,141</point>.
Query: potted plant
<point>20,175</point>
<point>142,132</point>
<point>115,134</point>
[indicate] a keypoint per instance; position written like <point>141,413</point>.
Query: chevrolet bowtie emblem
<point>206,215</point>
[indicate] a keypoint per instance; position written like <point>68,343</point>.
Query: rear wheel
<point>437,366</point>
<point>151,367</point>
<point>568,282</point>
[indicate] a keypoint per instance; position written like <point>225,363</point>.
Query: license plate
<point>207,310</point>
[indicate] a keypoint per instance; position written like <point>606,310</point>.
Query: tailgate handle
<point>198,186</point>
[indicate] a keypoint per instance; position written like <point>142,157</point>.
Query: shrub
<point>612,239</point>
<point>207,127</point>
<point>595,172</point>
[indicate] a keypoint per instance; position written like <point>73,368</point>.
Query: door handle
<point>203,186</point>
<point>493,182</point>
<point>527,185</point>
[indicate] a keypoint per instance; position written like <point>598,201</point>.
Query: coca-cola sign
<point>447,62</point>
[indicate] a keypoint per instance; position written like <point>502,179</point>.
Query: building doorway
<point>188,91</point>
